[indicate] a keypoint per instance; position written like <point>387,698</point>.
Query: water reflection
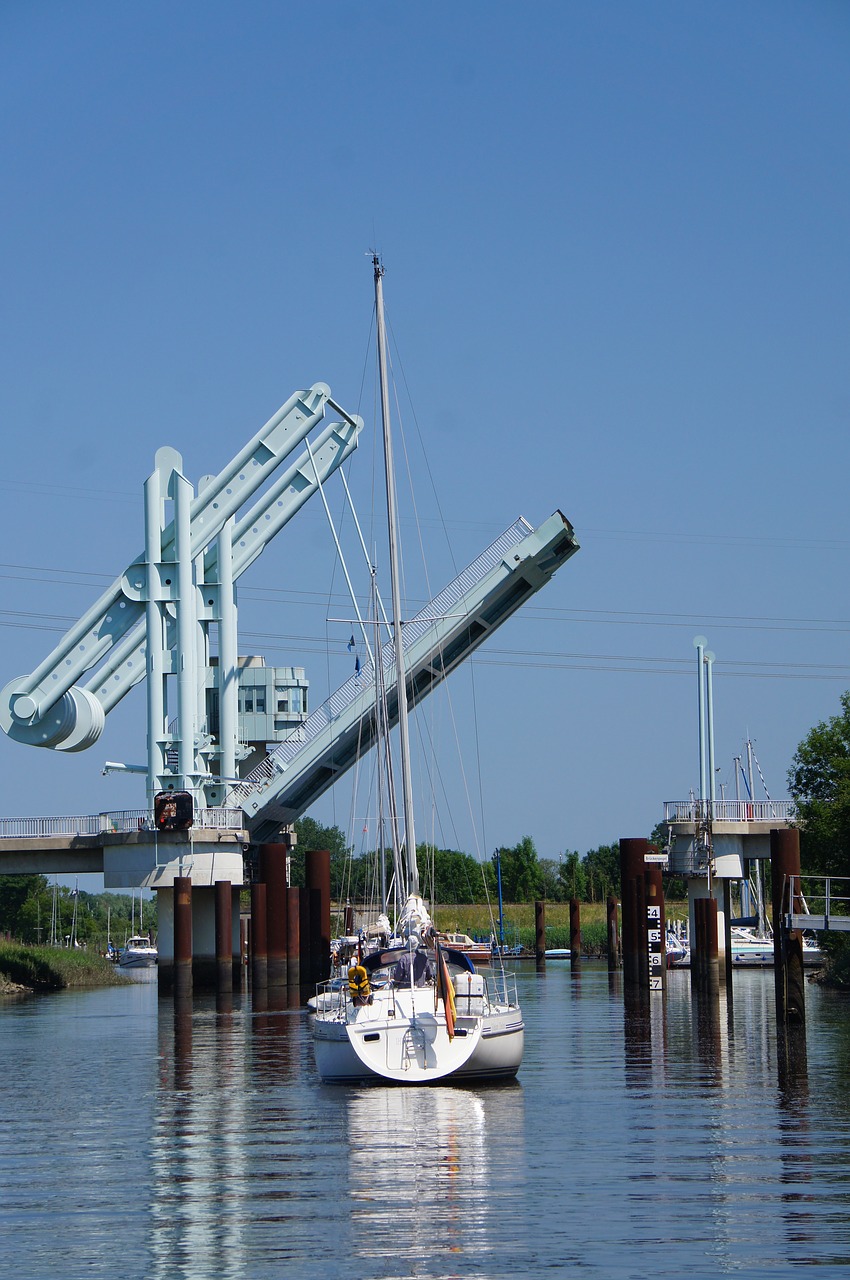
<point>275,1043</point>
<point>196,1146</point>
<point>428,1158</point>
<point>711,1034</point>
<point>670,1119</point>
<point>795,1137</point>
<point>644,1035</point>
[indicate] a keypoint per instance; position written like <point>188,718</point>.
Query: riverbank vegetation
<point>819,784</point>
<point>53,968</point>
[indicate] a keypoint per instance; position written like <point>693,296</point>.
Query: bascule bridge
<point>233,754</point>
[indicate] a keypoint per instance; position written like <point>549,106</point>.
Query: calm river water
<point>137,1140</point>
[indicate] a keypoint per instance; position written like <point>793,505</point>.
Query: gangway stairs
<point>436,640</point>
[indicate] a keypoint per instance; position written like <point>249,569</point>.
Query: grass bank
<point>474,919</point>
<point>52,968</point>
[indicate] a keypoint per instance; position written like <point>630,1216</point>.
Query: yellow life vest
<point>358,984</point>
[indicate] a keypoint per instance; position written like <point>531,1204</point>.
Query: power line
<point>666,535</point>
<point>617,617</point>
<point>538,659</point>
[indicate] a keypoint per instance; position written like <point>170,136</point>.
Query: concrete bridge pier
<point>188,954</point>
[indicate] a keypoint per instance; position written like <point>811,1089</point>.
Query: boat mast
<point>392,526</point>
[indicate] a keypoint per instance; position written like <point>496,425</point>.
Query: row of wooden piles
<point>638,944</point>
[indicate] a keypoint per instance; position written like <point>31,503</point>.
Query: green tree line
<point>452,876</point>
<point>31,908</point>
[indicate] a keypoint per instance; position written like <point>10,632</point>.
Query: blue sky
<point>617,280</point>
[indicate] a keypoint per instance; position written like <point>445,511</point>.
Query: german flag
<point>445,991</point>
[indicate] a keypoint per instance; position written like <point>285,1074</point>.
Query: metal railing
<point>120,820</point>
<point>729,811</point>
<point>501,988</point>
<point>692,861</point>
<point>817,902</point>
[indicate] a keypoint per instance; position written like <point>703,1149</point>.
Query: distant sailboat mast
<point>392,526</point>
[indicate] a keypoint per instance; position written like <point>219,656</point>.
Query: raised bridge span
<point>159,623</point>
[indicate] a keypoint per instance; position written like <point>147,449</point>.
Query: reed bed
<point>54,968</point>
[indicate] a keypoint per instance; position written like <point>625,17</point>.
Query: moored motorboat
<point>750,950</point>
<point>480,952</point>
<point>138,952</point>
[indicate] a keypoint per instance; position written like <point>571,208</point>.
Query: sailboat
<point>416,1011</point>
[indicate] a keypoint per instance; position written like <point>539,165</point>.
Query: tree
<point>602,871</point>
<point>819,783</point>
<point>520,871</point>
<point>573,877</point>
<point>457,877</point>
<point>15,891</point>
<point>550,885</point>
<point>313,835</point>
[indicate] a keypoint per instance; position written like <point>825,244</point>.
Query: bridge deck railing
<point>119,820</point>
<point>729,810</point>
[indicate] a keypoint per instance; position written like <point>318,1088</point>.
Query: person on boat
<point>413,961</point>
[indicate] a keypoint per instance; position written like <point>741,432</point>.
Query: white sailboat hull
<point>402,1018</point>
<point>489,1046</point>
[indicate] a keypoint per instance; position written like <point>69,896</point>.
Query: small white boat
<point>137,953</point>
<point>751,950</point>
<point>678,952</point>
